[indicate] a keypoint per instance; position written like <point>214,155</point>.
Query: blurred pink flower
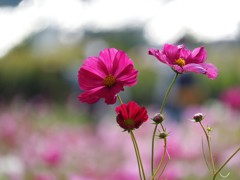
<point>105,76</point>
<point>231,97</point>
<point>52,154</point>
<point>183,60</point>
<point>9,129</point>
<point>123,175</point>
<point>131,116</point>
<point>44,176</point>
<point>79,177</point>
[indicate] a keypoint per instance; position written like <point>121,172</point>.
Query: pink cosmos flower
<point>183,60</point>
<point>231,97</point>
<point>105,76</point>
<point>52,155</point>
<point>131,116</point>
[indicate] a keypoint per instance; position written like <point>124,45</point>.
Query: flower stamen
<point>109,80</point>
<point>181,62</point>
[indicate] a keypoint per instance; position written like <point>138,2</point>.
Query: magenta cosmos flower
<point>131,116</point>
<point>105,76</point>
<point>231,97</point>
<point>183,60</point>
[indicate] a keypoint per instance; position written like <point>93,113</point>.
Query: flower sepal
<point>163,135</point>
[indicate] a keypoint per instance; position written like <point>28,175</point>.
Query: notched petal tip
<point>211,71</point>
<point>87,99</point>
<point>199,55</point>
<point>152,51</point>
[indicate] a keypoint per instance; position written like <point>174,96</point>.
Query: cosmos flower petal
<point>178,69</point>
<point>142,113</point>
<point>107,57</point>
<point>93,95</point>
<point>196,68</point>
<point>111,99</point>
<point>94,65</point>
<point>128,76</point>
<point>110,93</point>
<point>90,96</point>
<point>123,110</point>
<point>159,55</point>
<point>185,54</point>
<point>88,79</point>
<point>172,52</point>
<point>120,62</point>
<point>211,70</point>
<point>199,55</point>
<point>133,110</point>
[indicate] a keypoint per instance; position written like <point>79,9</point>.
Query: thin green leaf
<point>225,175</point>
<point>165,165</point>
<point>204,155</point>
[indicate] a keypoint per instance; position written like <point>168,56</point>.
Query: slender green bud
<point>209,129</point>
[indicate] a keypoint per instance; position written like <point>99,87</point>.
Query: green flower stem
<point>209,148</point>
<point>152,158</point>
<point>204,155</point>
<point>218,171</point>
<point>162,159</point>
<point>139,160</point>
<point>119,98</point>
<point>154,132</point>
<point>162,127</point>
<point>140,165</point>
<point>168,92</point>
<point>163,169</point>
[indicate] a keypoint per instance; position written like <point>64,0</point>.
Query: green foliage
<point>226,56</point>
<point>122,39</point>
<point>29,72</point>
<point>146,85</point>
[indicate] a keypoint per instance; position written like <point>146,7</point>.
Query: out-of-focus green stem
<point>152,157</point>
<point>163,169</point>
<point>154,131</point>
<point>168,92</point>
<point>140,164</point>
<point>119,98</point>
<point>204,155</point>
<point>224,164</point>
<point>162,159</point>
<point>209,148</point>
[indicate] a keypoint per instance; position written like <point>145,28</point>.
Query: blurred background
<point>47,134</point>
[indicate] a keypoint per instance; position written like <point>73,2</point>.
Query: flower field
<point>42,141</point>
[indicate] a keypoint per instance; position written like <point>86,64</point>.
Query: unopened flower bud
<point>158,118</point>
<point>198,117</point>
<point>163,135</point>
<point>209,129</point>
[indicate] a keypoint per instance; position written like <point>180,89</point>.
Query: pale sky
<point>163,21</point>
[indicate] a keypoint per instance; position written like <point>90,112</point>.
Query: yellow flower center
<point>109,80</point>
<point>181,62</point>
